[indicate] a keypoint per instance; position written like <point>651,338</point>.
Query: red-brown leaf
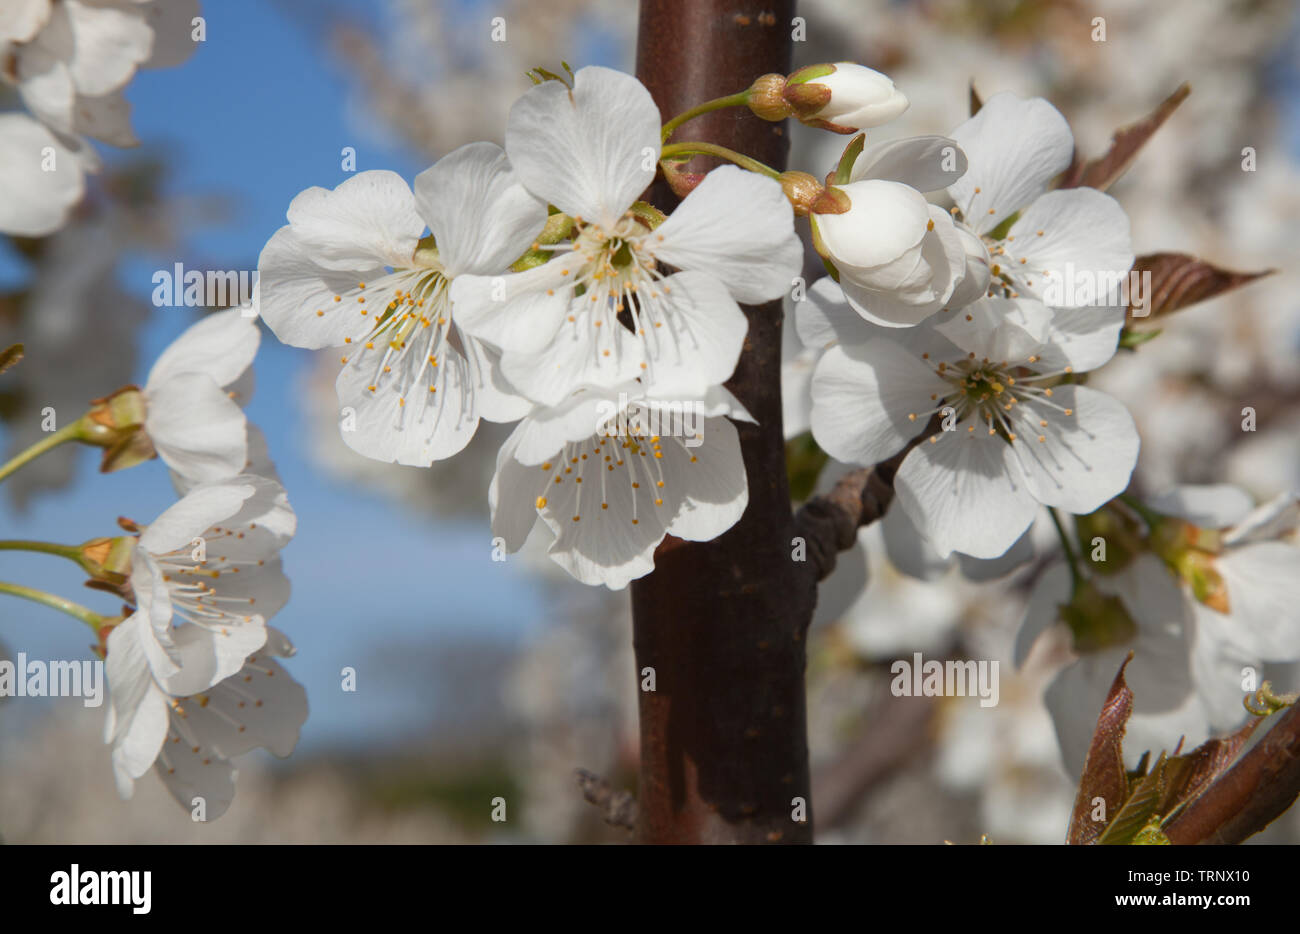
<point>1104,775</point>
<point>1179,280</point>
<point>1127,142</point>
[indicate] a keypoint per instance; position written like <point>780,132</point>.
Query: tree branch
<point>1250,795</point>
<point>829,523</point>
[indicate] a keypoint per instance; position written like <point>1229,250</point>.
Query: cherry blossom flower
<point>350,271</point>
<point>205,577</point>
<point>69,60</point>
<point>1241,567</point>
<point>600,312</point>
<point>192,406</point>
<point>1013,436</point>
<point>1140,609</point>
<point>258,706</point>
<point>1069,247</point>
<point>897,257</point>
<point>610,472</point>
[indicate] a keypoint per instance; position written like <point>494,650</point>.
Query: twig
<point>1251,794</point>
<point>616,807</point>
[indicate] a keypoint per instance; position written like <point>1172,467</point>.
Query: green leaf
<point>1139,809</point>
<point>1130,340</point>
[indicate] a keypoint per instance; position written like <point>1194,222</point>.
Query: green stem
<point>739,99</point>
<point>76,610</point>
<point>1070,557</point>
<point>71,552</point>
<point>722,152</point>
<point>70,432</point>
<point>1149,516</point>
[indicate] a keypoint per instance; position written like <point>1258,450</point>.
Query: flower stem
<point>1149,516</point>
<point>739,99</point>
<point>70,432</point>
<point>673,150</point>
<point>71,552</point>
<point>75,610</point>
<point>1070,557</point>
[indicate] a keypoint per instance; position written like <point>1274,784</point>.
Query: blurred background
<point>471,684</point>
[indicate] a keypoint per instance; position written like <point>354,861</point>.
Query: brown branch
<point>829,523</point>
<point>1250,795</point>
<point>616,807</point>
<point>724,744</point>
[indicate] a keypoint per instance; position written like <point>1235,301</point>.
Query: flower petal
<point>870,399</point>
<point>221,346</point>
<point>590,150</point>
<point>926,163</point>
<point>1015,148</point>
<point>1085,458</point>
<point>34,202</point>
<point>368,220</point>
<point>481,217</point>
<point>197,430</point>
<point>737,227</point>
<point>1084,252</point>
<point>965,492</point>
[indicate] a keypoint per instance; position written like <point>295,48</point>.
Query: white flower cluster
<point>192,671</point>
<point>69,61</point>
<point>563,318</point>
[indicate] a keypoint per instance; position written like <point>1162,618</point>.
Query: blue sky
<point>258,114</point>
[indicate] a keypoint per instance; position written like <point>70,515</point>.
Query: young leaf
<point>1104,776</point>
<point>1127,142</point>
<point>1179,280</point>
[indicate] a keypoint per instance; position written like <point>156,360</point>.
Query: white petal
<point>513,493</point>
<point>1086,458</point>
<point>1000,330</point>
<point>863,397</point>
<point>481,217</point>
<point>1084,254</point>
<point>825,316</point>
<point>1082,338</point>
<point>107,45</point>
<point>884,221</point>
<point>20,19</point>
<point>737,227</point>
<point>717,489</point>
<point>908,549</point>
<point>1210,506</point>
<point>293,287</point>
<point>1218,664</point>
<point>518,313</point>
<point>1015,148</point>
<point>1042,610</point>
<point>397,419</point>
<point>107,118</point>
<point>1277,518</point>
<point>34,202</point>
<point>209,656</point>
<point>589,151</point>
<point>1263,583</point>
<point>965,492</point>
<point>172,22</point>
<point>926,163</point>
<point>369,220</point>
<point>220,345</point>
<point>701,336</point>
<point>188,519</point>
<point>197,430</point>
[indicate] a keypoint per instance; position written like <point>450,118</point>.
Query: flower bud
<point>898,258</point>
<point>843,97</point>
<point>116,423</point>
